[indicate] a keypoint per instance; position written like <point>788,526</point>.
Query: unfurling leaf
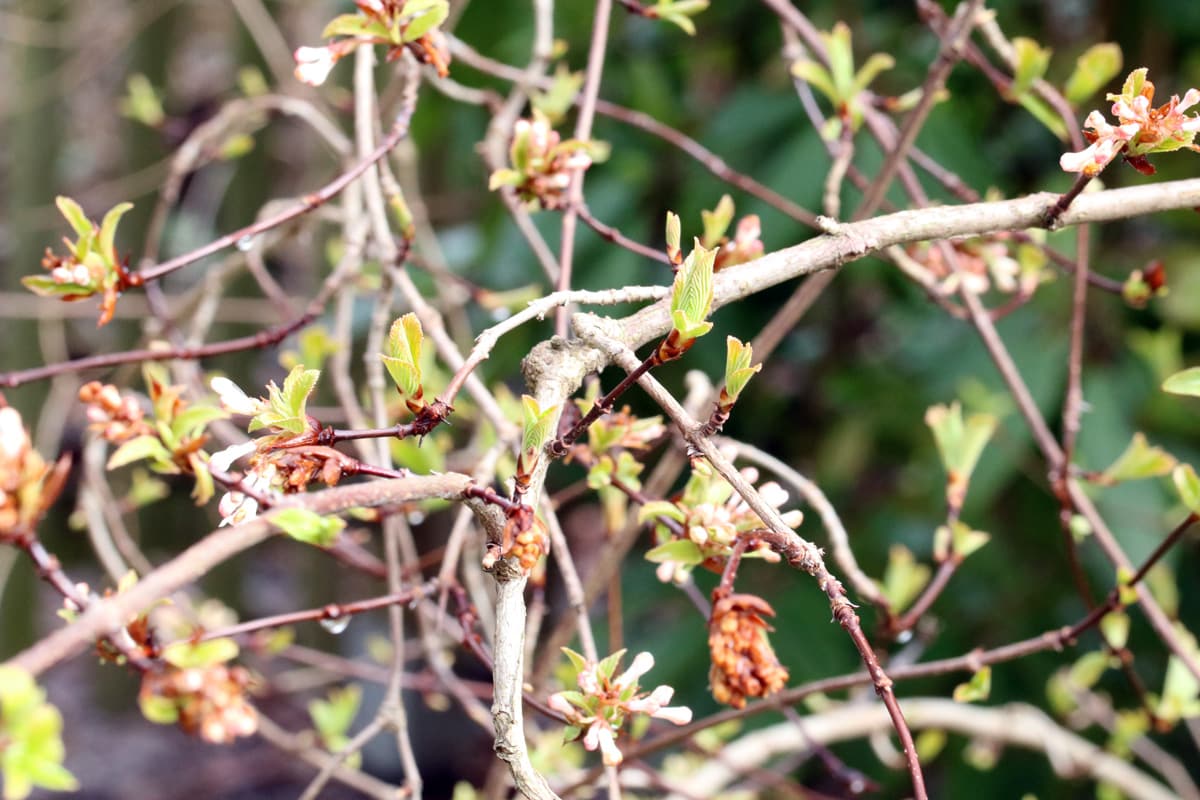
<point>333,717</point>
<point>286,408</point>
<point>1031,62</point>
<point>1140,460</point>
<point>904,578</point>
<point>674,231</point>
<point>692,294</point>
<point>538,425</point>
<point>957,541</point>
<point>716,222</point>
<point>1188,486</point>
<point>1186,382</point>
<point>683,551</point>
<point>960,443</point>
<point>402,355</point>
<point>975,690</point>
<point>1115,627</point>
<point>308,526</point>
<point>1098,65</point>
<point>738,371</point>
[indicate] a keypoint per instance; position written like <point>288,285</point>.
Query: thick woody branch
<point>1016,724</point>
<point>114,612</point>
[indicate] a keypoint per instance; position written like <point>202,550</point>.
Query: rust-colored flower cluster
<point>743,662</point>
<point>210,701</point>
<point>113,416</point>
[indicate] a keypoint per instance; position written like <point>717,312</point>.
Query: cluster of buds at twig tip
<point>201,692</point>
<point>746,244</point>
<point>841,82</point>
<point>174,444</point>
<point>399,25</point>
<point>982,263</point>
<point>710,517</point>
<point>1141,129</point>
<point>113,416</point>
<point>542,164</point>
<point>28,485</point>
<point>1145,283</point>
<point>91,265</point>
<point>743,662</point>
<point>599,709</point>
<point>738,372</point>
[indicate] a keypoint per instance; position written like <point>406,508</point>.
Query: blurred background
<point>843,399</point>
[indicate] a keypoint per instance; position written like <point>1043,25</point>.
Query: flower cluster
<point>289,458</point>
<point>1142,129</point>
<point>983,263</point>
<point>207,701</point>
<point>543,164</point>
<point>28,485</point>
<point>91,264</point>
<point>399,24</point>
<point>743,661</point>
<point>702,525</point>
<point>598,710</point>
<point>115,417</point>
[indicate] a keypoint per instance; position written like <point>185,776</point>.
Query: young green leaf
<point>1139,460</point>
<point>903,578</point>
<point>960,443</point>
<point>674,231</point>
<point>957,541</point>
<point>108,234</point>
<point>1031,63</point>
<point>975,690</point>
<point>308,526</point>
<point>692,294</point>
<point>402,355</point>
<point>139,448</point>
<point>1115,627</point>
<point>429,19</point>
<point>538,425</point>
<point>186,655</point>
<point>1188,486</point>
<point>332,717</point>
<point>683,551</point>
<point>31,746</point>
<point>738,371</point>
<point>1098,65</point>
<point>1186,382</point>
<point>73,212</point>
<point>717,221</point>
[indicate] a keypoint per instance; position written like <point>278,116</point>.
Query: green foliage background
<point>843,399</point>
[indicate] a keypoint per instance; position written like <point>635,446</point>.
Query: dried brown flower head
<point>743,661</point>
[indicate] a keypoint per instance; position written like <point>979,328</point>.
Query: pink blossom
<point>642,663</point>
